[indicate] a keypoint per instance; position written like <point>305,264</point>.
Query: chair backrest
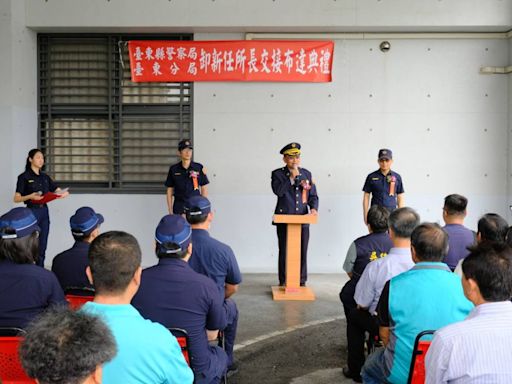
<point>11,371</point>
<point>76,301</point>
<point>417,369</point>
<point>182,337</point>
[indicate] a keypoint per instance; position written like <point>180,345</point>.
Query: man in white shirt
<point>362,319</point>
<point>477,350</point>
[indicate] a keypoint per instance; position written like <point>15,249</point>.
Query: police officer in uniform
<point>31,186</point>
<point>26,289</point>
<point>296,195</point>
<point>173,294</point>
<point>216,260</point>
<point>185,179</point>
<point>69,266</point>
<point>384,185</point>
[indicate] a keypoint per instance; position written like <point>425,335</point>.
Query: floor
<point>294,342</point>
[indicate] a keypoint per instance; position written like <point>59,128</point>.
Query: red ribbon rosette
<point>194,175</point>
<point>306,186</point>
<point>392,185</point>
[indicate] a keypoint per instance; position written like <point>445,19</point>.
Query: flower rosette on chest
<point>306,186</point>
<point>194,175</point>
<point>391,179</point>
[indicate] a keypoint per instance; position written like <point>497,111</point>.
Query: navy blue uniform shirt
<point>29,182</point>
<point>26,290</point>
<point>173,294</point>
<point>214,259</point>
<point>377,184</point>
<point>69,266</point>
<point>289,193</point>
<point>179,179</point>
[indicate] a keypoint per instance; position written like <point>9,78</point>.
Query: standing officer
<point>384,185</point>
<point>296,195</point>
<point>31,186</point>
<point>69,266</point>
<point>185,179</point>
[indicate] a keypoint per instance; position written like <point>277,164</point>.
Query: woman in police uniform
<point>31,186</point>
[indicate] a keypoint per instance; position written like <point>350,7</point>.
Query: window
<point>101,132</point>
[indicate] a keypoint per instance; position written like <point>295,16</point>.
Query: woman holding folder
<point>31,188</point>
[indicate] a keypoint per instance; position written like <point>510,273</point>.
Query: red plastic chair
<point>75,301</point>
<point>78,296</point>
<point>182,337</point>
<point>11,371</point>
<point>417,369</point>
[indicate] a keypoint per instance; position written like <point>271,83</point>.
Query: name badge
<point>177,174</point>
<point>375,179</point>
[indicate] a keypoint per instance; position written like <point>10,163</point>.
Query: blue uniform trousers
<point>43,221</point>
<point>230,330</point>
<point>281,237</point>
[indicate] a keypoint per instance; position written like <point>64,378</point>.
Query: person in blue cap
<point>69,266</point>
<point>296,195</point>
<point>185,179</point>
<point>384,185</point>
<point>26,289</point>
<point>216,260</point>
<point>176,296</point>
<point>32,184</point>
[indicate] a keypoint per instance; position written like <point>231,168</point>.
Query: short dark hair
<point>196,219</point>
<point>65,346</point>
<point>455,204</point>
<point>378,218</point>
<point>403,221</point>
<point>490,265</point>
<point>23,250</point>
<point>161,248</point>
<point>430,242</point>
<point>114,257</point>
<point>83,238</point>
<point>492,227</point>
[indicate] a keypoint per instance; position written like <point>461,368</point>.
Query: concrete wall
<point>447,124</point>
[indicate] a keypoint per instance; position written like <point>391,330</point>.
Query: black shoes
<point>232,369</point>
<point>350,375</point>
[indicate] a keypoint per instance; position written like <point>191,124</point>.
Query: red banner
<point>237,60</point>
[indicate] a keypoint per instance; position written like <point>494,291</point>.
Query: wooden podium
<point>292,289</point>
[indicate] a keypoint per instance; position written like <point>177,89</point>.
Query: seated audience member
<point>363,250</point>
<point>362,319</point>
<point>216,260</point>
<point>69,266</point>
<point>176,296</point>
<point>429,296</point>
<point>491,228</point>
<point>459,237</point>
<point>26,290</point>
<point>67,347</point>
<point>477,350</point>
<point>147,351</point>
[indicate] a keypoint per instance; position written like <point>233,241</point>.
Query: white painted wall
<point>447,124</point>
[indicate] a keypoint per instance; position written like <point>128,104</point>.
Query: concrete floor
<point>311,333</point>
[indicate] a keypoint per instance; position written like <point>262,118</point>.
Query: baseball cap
<point>84,221</point>
<point>173,230</point>
<point>18,222</point>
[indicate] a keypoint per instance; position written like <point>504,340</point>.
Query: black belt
<point>36,206</point>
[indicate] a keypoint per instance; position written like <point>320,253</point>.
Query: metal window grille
<point>99,131</point>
